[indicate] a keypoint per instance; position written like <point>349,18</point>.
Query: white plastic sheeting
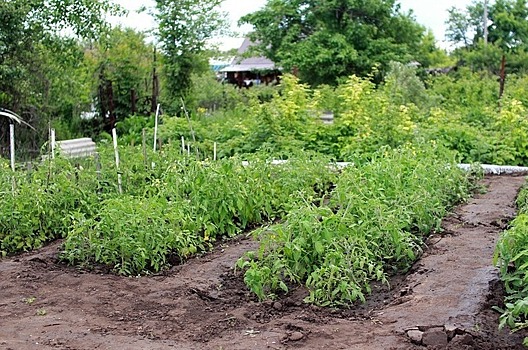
<point>497,169</point>
<point>84,147</point>
<point>488,169</point>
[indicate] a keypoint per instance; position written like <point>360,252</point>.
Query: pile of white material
<point>497,169</point>
<point>76,148</point>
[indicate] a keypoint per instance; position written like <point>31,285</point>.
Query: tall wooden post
<point>144,145</point>
<point>502,77</point>
<point>12,144</point>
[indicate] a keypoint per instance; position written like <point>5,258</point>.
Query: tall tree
<point>123,59</point>
<point>32,50</point>
<point>184,28</point>
<point>507,29</point>
<point>465,27</point>
<point>509,24</point>
<point>326,40</point>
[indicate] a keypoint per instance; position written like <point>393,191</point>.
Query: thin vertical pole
<point>183,144</point>
<point>144,144</point>
<point>188,119</point>
<point>155,83</point>
<point>116,150</point>
<point>502,77</point>
<point>12,144</point>
<point>156,127</point>
<point>53,143</point>
<point>214,152</point>
<point>155,132</point>
<point>29,166</point>
<point>98,166</point>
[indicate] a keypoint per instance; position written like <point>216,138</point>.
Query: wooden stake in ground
<point>155,83</point>
<point>12,144</point>
<point>156,127</point>
<point>97,166</point>
<point>190,125</point>
<point>156,131</point>
<point>29,170</point>
<point>214,151</point>
<point>52,143</point>
<point>502,77</point>
<point>116,151</point>
<point>144,145</point>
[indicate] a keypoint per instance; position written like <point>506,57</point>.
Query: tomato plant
<point>371,226</point>
<point>511,255</point>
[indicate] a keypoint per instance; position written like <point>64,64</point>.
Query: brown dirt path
<point>444,302</point>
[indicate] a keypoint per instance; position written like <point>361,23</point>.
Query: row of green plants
<point>372,225</point>
<point>187,207</point>
<point>339,231</point>
<point>511,256</point>
<point>172,205</point>
<point>36,206</point>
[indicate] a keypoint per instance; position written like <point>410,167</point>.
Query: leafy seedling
<point>29,300</point>
<point>41,312</point>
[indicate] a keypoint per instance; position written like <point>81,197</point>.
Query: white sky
<point>430,13</point>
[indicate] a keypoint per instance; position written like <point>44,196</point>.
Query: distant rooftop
<point>241,64</point>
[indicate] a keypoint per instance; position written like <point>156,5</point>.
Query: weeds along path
<point>444,302</point>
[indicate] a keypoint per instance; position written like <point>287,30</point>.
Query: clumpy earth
<point>444,302</point>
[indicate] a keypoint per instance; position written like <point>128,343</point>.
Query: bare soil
<point>444,302</point>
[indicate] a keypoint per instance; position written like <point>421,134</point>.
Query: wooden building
<point>249,71</point>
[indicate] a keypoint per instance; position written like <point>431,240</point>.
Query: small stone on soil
<point>435,337</point>
<point>277,306</point>
<point>415,335</point>
<point>296,336</point>
<point>464,339</point>
<point>450,331</point>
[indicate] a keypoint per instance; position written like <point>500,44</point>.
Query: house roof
<point>240,64</point>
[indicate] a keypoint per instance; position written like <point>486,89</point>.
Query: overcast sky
<point>430,13</point>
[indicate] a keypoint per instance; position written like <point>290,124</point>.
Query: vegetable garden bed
<point>203,305</point>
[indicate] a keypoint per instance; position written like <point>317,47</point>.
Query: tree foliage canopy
<point>507,24</point>
<point>326,40</point>
<point>30,27</point>
<point>184,28</point>
<point>507,34</point>
<point>37,59</point>
<point>124,60</point>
